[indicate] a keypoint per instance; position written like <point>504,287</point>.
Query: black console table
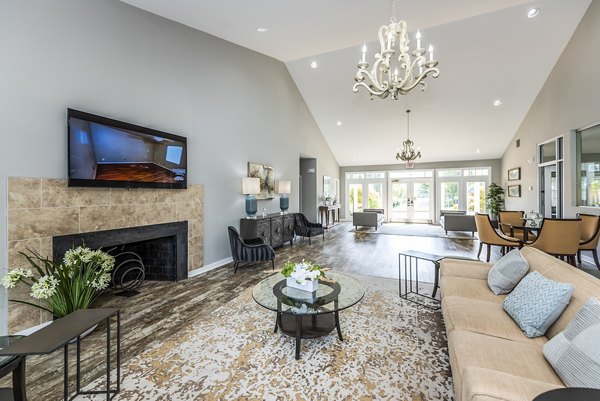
<point>59,334</point>
<point>274,229</point>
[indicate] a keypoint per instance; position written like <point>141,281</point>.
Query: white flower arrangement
<point>64,286</point>
<point>302,272</point>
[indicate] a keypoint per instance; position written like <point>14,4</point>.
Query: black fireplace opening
<point>156,252</point>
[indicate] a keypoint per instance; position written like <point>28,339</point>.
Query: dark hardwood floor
<point>163,308</point>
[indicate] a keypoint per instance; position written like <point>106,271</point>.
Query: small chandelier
<point>408,154</point>
<point>391,76</point>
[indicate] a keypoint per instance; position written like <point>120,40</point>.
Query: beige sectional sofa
<point>491,358</point>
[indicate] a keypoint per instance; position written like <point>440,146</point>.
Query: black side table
<point>16,365</point>
<point>570,394</point>
<point>59,334</point>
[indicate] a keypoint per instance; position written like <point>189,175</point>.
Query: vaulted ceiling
<point>487,50</point>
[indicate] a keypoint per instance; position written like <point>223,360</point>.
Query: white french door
<point>411,200</point>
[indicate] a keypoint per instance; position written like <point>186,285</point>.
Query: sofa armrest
<point>364,219</point>
<point>480,384</point>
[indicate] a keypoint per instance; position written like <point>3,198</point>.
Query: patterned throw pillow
<point>507,272</point>
<point>574,352</point>
<point>536,303</point>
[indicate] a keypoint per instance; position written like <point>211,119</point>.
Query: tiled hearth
<point>41,208</point>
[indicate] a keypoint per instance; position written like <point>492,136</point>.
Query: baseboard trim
<point>210,267</point>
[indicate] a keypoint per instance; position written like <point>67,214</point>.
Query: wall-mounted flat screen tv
<point>110,153</point>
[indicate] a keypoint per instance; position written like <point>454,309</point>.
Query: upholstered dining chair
<point>305,228</point>
<point>250,250</point>
<point>590,234</point>
<point>507,218</point>
<point>489,236</point>
<point>560,238</point>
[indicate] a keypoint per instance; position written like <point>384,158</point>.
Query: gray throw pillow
<point>536,303</point>
<point>574,352</point>
<point>507,272</point>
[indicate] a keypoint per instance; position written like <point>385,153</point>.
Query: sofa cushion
<point>464,268</point>
<point>481,384</point>
<point>468,288</point>
<point>483,317</point>
<point>537,302</point>
<point>507,272</point>
<point>516,358</point>
<point>574,353</point>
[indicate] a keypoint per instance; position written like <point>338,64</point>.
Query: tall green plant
<point>494,198</point>
<point>66,286</point>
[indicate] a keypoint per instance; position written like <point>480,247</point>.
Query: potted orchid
<point>66,286</point>
<point>303,276</point>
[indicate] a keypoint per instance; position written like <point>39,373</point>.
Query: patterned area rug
<point>392,350</point>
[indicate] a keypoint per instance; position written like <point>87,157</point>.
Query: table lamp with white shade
<point>284,188</point>
<point>251,187</point>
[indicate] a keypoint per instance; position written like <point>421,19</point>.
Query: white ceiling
<point>486,49</point>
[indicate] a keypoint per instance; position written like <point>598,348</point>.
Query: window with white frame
<point>463,189</point>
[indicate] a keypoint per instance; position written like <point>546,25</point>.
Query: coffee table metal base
<point>307,326</point>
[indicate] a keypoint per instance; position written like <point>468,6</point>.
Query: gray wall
<point>111,59</point>
<point>495,164</point>
<point>569,100</point>
<point>309,174</point>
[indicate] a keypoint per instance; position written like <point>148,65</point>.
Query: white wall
<point>111,59</point>
<point>569,100</point>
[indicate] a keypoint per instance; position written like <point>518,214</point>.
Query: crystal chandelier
<point>408,153</point>
<point>391,75</point>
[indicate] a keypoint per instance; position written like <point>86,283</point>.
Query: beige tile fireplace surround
<point>40,208</point>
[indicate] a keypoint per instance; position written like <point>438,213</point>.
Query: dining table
<point>526,225</point>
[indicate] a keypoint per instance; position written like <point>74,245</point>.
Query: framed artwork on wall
<point>267,179</point>
<point>514,191</point>
<point>514,174</point>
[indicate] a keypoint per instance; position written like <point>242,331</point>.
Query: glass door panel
<point>375,195</point>
<point>421,201</point>
<point>449,195</point>
<point>355,201</point>
<point>399,201</point>
<point>476,197</point>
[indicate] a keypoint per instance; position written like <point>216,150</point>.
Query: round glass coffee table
<point>302,314</point>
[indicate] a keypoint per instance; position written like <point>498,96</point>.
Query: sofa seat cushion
<point>525,360</point>
<point>483,317</point>
<point>464,268</point>
<point>468,288</point>
<point>481,384</point>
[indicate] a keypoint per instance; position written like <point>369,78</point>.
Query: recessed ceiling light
<point>262,29</point>
<point>339,123</point>
<point>533,12</point>
<point>314,64</point>
<point>477,150</point>
<point>497,102</point>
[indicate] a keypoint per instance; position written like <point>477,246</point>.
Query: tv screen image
<point>110,153</point>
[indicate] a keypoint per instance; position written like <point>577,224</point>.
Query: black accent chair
<point>305,228</point>
<point>250,250</point>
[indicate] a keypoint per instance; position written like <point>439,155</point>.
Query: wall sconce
<point>284,188</point>
<point>251,187</point>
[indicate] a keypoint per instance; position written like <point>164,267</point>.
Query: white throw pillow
<point>504,276</point>
<point>574,353</point>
